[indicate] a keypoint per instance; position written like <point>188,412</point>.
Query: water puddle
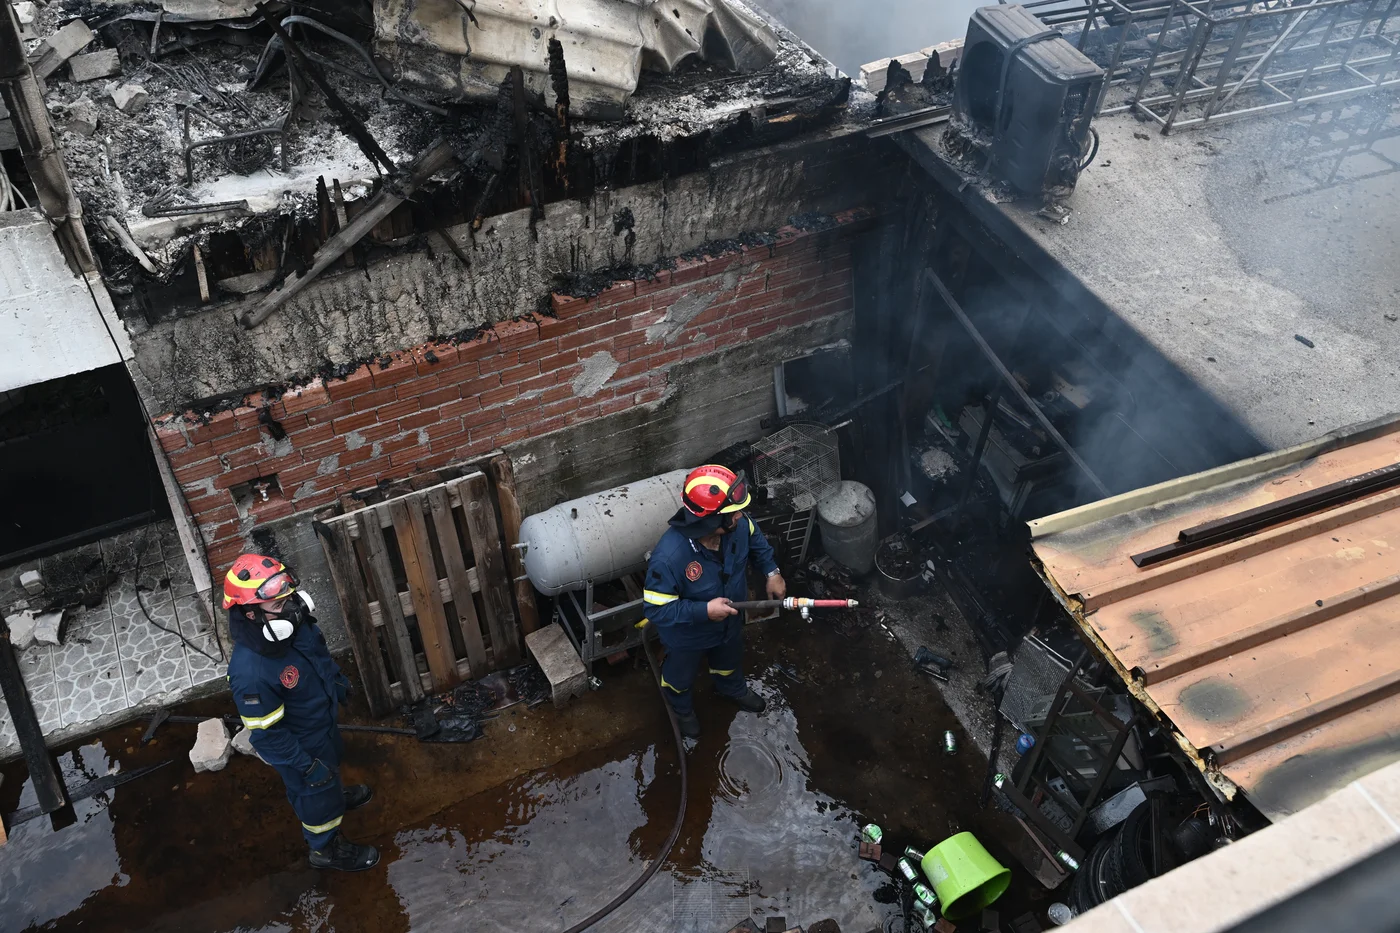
<point>474,837</point>
<point>758,841</point>
<point>46,874</point>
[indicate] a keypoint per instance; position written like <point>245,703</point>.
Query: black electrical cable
<point>149,618</point>
<point>1093,153</point>
<point>655,865</point>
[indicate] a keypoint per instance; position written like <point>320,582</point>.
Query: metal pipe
<point>980,448</point>
<point>1199,40</point>
<point>1264,59</point>
<point>1011,382</point>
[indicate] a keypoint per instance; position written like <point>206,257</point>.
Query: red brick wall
<point>422,408</point>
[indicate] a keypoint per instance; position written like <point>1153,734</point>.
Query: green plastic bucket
<point>965,877</point>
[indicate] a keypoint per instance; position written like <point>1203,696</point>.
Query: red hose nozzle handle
<point>798,602</point>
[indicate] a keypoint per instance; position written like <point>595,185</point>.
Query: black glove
<point>342,687</point>
<point>318,775</point>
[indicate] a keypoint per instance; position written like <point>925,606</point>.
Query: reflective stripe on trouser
<point>318,809</point>
<point>679,669</point>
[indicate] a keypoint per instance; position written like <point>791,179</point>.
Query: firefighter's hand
<point>719,609</point>
<point>318,775</point>
<point>777,587</point>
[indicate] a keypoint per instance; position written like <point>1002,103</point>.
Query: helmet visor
<point>738,497</point>
<point>277,586</point>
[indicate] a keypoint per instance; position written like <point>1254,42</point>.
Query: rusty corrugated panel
<point>1275,657</point>
<point>465,48</point>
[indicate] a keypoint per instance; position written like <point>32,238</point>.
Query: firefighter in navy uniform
<point>288,691</point>
<point>698,568</point>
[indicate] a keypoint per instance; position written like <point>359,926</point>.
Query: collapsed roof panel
<point>211,155</point>
<point>465,48</point>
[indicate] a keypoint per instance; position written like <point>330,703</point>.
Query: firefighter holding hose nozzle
<point>697,570</point>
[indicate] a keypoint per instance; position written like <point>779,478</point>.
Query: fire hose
<point>661,856</point>
<point>803,605</point>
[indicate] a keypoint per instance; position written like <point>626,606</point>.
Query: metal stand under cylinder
<point>577,549</point>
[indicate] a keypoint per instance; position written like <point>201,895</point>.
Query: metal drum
<point>849,532</point>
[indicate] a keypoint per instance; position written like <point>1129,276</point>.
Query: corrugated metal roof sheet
<point>465,48</point>
<point>49,322</point>
<point>1274,656</point>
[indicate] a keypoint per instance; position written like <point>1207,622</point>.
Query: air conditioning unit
<point>1026,97</point>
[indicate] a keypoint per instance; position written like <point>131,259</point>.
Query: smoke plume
<point>852,34</point>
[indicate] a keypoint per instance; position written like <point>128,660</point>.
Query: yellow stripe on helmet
<point>707,481</point>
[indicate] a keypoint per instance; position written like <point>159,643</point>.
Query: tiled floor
<point>124,649</point>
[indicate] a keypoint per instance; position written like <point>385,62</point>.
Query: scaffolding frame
<point>1193,63</point>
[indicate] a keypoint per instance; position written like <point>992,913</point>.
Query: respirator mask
<point>291,615</point>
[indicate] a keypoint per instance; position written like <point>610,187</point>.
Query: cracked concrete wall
<point>412,298</point>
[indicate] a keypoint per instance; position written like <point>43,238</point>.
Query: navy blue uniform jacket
<point>289,701</point>
<point>683,575</point>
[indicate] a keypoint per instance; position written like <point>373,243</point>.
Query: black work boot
<point>343,855</point>
<point>690,724</point>
<point>750,702</point>
<point>357,795</point>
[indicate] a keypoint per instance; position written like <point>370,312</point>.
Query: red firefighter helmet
<point>712,489</point>
<point>254,578</point>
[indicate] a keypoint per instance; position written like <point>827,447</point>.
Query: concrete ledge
<point>556,656</point>
<point>1221,889</point>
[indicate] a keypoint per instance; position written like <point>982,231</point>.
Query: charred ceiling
<point>218,146</point>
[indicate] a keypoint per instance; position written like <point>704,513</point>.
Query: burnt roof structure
<point>253,148</point>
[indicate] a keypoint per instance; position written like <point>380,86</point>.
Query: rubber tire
<point>1132,843</point>
<point>1088,889</point>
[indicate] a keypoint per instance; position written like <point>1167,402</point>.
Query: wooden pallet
<point>427,587</point>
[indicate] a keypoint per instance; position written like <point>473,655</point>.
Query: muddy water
<point>535,826</point>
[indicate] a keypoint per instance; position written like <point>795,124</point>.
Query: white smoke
<point>852,33</point>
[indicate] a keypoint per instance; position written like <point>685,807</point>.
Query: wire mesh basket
<point>800,464</point>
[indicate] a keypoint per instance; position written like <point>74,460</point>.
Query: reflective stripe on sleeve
<point>262,722</point>
<point>653,598</point>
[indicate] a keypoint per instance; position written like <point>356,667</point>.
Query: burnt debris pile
<point>215,147</point>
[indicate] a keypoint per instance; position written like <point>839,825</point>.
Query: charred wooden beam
<point>48,784</point>
<point>19,90</point>
<point>436,158</point>
<point>559,78</point>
